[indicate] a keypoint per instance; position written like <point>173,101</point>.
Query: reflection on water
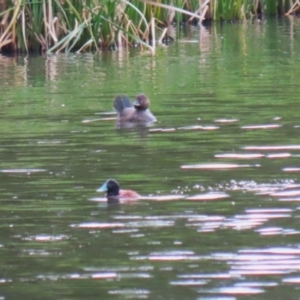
<point>218,173</point>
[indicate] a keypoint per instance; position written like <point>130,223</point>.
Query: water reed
<point>90,25</point>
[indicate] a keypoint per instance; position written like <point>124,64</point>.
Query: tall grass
<point>231,10</point>
<point>90,25</point>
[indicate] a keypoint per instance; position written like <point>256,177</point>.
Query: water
<point>219,172</point>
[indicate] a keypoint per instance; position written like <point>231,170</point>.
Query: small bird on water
<point>114,192</point>
<point>138,112</point>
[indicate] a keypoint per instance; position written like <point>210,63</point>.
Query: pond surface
<point>219,172</point>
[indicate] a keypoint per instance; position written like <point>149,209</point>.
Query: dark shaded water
<point>219,171</point>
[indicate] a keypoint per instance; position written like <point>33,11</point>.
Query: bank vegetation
<point>89,25</point>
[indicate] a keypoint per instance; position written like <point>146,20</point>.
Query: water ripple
<point>291,193</point>
<point>208,276</point>
<point>274,250</point>
<point>162,129</point>
<point>276,231</point>
<point>131,293</point>
<point>235,290</point>
<point>189,282</point>
<point>22,170</point>
<point>226,120</point>
<point>97,225</point>
<point>46,238</point>
<point>264,126</point>
<point>279,155</point>
<point>273,148</point>
<point>291,280</point>
<point>257,284</point>
<point>150,223</point>
<point>240,155</point>
<point>216,166</point>
<point>208,196</point>
<point>99,119</point>
<point>291,169</point>
<point>197,127</point>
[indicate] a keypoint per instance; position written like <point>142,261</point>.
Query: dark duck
<point>138,112</point>
<point>114,192</point>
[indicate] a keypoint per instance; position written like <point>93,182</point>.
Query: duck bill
<point>136,104</point>
<point>103,188</point>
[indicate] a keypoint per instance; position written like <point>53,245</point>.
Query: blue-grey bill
<point>103,188</point>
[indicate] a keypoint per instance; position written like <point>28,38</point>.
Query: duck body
<point>114,192</point>
<point>138,112</point>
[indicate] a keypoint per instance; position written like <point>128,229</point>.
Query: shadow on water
<point>218,173</point>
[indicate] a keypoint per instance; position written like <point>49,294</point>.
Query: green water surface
<point>225,94</point>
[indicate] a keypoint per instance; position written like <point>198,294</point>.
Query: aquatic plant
<point>56,25</point>
<point>243,9</point>
<point>65,25</point>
